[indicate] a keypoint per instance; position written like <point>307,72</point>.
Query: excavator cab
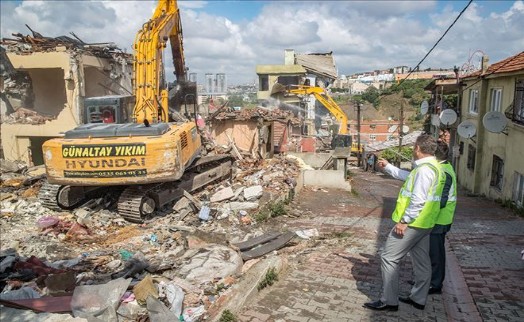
<point>108,109</point>
<point>341,141</point>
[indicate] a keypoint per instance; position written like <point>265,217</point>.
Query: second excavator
<point>149,161</point>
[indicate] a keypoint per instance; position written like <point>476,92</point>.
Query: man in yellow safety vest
<point>415,214</point>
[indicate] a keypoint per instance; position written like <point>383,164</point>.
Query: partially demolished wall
<point>43,96</point>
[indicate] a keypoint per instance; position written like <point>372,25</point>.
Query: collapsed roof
<point>322,64</point>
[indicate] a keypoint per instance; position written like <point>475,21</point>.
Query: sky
<point>232,37</point>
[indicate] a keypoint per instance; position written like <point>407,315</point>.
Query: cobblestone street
<point>332,281</point>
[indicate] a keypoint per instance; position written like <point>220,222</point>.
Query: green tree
<point>392,153</point>
<point>371,94</point>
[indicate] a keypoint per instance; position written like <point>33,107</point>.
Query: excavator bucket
<point>277,89</point>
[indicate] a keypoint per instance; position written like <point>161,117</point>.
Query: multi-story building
<point>372,131</point>
<point>60,76</point>
<point>492,164</point>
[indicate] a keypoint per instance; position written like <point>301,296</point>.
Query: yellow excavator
<point>146,163</point>
<point>341,141</point>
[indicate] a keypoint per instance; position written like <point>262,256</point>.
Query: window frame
<point>497,173</point>
<point>518,189</point>
<point>472,155</point>
<point>473,106</point>
<point>495,102</point>
<point>518,102</point>
<point>372,137</point>
<point>263,82</point>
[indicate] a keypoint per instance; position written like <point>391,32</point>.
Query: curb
<point>242,293</point>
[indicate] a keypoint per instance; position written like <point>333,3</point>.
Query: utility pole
<point>400,131</point>
<point>453,136</point>
<point>359,156</point>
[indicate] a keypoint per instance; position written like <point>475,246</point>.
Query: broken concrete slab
<point>274,244</point>
<point>252,242</point>
<point>253,193</point>
<point>223,194</point>
<point>236,205</point>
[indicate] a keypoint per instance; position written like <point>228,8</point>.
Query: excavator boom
<point>326,100</point>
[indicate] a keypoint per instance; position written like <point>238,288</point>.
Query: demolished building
<point>44,83</point>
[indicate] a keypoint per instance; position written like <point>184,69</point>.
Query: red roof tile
<point>510,64</point>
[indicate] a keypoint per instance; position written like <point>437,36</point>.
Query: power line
<point>435,45</point>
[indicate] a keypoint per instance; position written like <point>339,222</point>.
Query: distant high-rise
<point>221,84</point>
<point>193,77</point>
<point>209,84</point>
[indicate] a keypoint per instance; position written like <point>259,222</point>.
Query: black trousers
<point>437,254</point>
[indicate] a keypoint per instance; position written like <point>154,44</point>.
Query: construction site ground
<point>340,270</point>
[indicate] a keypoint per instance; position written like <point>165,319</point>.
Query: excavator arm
<point>149,88</point>
<point>322,96</point>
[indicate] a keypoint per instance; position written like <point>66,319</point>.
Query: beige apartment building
<point>492,164</point>
<point>60,79</point>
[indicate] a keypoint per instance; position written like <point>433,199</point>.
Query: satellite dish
<point>467,129</point>
<point>495,122</point>
<point>448,117</point>
<point>405,129</point>
<point>392,128</point>
<point>424,108</point>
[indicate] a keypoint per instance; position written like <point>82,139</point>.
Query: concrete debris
<point>253,193</point>
<point>223,194</point>
<point>179,259</point>
<point>27,116</point>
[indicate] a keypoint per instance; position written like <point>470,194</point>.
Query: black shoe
<point>379,306</point>
<point>433,290</point>
<point>407,300</point>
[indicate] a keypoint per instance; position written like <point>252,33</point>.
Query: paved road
<point>332,281</point>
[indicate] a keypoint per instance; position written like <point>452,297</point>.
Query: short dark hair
<point>442,150</point>
<point>427,144</point>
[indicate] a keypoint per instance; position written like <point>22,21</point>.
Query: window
<point>263,81</point>
<point>473,101</point>
<point>390,137</point>
<point>372,137</point>
<point>496,98</point>
<point>497,172</point>
<point>471,157</point>
<point>518,189</point>
<point>518,102</point>
<point>288,80</point>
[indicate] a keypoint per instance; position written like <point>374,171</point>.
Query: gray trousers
<point>415,241</point>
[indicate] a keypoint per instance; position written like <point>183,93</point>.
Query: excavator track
<point>136,203</point>
<point>131,203</point>
<point>48,196</point>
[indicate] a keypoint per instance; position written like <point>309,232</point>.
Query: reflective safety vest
<point>445,216</point>
<point>429,213</point>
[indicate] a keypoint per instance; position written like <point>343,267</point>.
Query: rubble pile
<point>254,113</point>
<point>26,116</point>
<point>92,264</point>
<point>37,42</point>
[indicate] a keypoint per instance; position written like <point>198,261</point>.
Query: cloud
<point>363,35</point>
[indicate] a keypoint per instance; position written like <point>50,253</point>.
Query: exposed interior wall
<point>243,133</point>
<point>49,89</point>
<point>60,81</point>
<point>99,83</point>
